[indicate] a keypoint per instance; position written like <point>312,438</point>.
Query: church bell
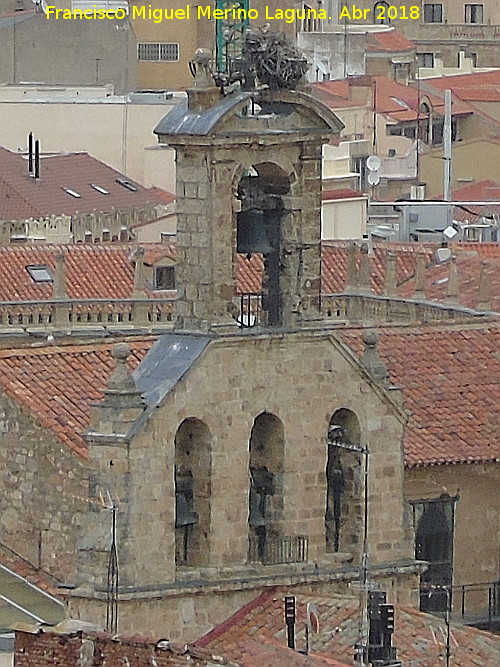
<point>251,233</point>
<point>183,515</point>
<point>255,518</point>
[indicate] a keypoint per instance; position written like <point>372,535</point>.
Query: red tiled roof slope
<point>419,638</point>
<point>58,384</point>
<point>390,41</point>
<point>77,171</point>
<point>92,271</point>
<point>450,380</point>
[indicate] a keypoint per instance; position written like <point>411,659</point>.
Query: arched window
<point>434,520</point>
<point>266,484</point>
<point>380,13</point>
<point>343,516</point>
<point>192,492</point>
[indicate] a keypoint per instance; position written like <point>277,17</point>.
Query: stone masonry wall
<point>302,379</point>
<point>43,490</point>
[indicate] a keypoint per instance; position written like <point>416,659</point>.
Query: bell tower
<point>248,181</point>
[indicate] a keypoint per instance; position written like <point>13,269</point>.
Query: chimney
<point>352,277</point>
<point>30,153</point>
<point>361,90</point>
<point>484,296</point>
<point>364,271</point>
<point>60,278</point>
<point>452,291</point>
<point>420,274</point>
<point>390,286</point>
<point>36,172</point>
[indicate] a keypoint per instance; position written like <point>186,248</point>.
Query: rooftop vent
<point>127,184</point>
<point>99,188</point>
<point>72,193</point>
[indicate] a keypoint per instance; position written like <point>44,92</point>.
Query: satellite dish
<point>373,163</point>
<point>443,255</point>
<point>373,178</point>
<point>312,618</point>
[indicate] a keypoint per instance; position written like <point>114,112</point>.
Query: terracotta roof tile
<point>419,637</point>
<point>58,384</point>
<point>450,379</point>
<point>390,41</point>
<point>76,171</point>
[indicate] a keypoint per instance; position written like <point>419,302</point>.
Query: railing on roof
<point>356,307</point>
<point>478,604</point>
<point>67,314</point>
<point>274,551</point>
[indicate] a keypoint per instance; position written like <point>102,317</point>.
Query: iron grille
<point>279,550</point>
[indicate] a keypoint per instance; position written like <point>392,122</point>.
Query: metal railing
<point>274,551</point>
<point>250,313</point>
<point>477,604</point>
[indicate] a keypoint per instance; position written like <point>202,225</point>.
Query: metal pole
<point>447,153</point>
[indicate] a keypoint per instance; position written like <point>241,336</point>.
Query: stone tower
<point>248,157</point>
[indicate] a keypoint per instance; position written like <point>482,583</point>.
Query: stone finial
<point>484,295</point>
<point>364,271</point>
<point>204,94</point>
<point>122,404</point>
<point>60,291</point>
<point>139,278</point>
<point>121,379</point>
<point>371,361</point>
<point>420,272</point>
<point>390,286</point>
<point>452,292</point>
<point>351,283</point>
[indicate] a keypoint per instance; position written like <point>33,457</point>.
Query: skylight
<point>127,184</point>
<point>40,273</point>
<point>72,193</point>
<point>400,102</point>
<point>99,188</point>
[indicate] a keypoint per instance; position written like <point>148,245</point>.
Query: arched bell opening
<point>267,444</point>
<point>259,228</point>
<point>344,509</point>
<point>192,493</point>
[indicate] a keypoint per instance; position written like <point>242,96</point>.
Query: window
<point>434,522</point>
<point>394,130</point>
<point>474,13</point>
<point>425,59</point>
<point>433,12</point>
<point>392,152</point>
<point>380,13</point>
<point>410,131</point>
<point>40,273</point>
<point>158,52</point>
<point>165,277</point>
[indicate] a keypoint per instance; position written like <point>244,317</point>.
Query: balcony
<point>279,550</point>
<point>478,605</point>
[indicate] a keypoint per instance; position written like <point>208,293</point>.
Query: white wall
<point>343,219</point>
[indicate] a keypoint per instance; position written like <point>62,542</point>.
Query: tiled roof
<point>393,99</point>
<point>475,87</point>
<point>482,191</point>
<point>78,172</point>
<point>450,380</point>
<point>92,271</point>
<point>389,41</point>
<point>420,638</point>
<point>58,384</point>
<point>342,193</point>
<point>471,259</point>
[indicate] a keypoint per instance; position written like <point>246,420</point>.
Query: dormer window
<point>127,185</point>
<point>165,277</point>
<point>99,188</point>
<point>40,273</point>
